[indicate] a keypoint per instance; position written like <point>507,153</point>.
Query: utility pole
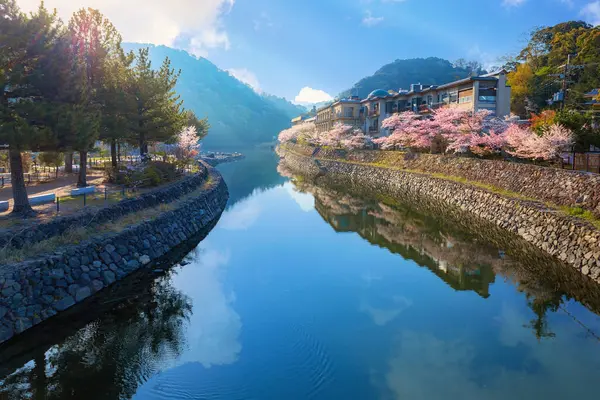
<point>565,82</point>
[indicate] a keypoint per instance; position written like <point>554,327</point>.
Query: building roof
<point>593,93</point>
<point>378,93</point>
<point>467,80</point>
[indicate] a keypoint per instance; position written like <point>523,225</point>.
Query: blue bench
<point>83,190</point>
<point>42,199</point>
<point>3,206</point>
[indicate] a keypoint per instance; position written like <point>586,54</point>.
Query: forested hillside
<point>238,116</point>
<point>401,73</point>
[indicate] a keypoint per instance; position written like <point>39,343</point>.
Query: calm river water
<point>306,292</point>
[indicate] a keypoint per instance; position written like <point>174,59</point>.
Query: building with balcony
<point>345,111</point>
<point>592,100</point>
<point>485,92</point>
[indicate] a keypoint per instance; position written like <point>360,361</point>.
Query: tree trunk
<point>69,163</point>
<point>113,153</point>
<point>19,190</point>
<point>143,147</point>
<point>56,172</point>
<point>40,381</point>
<point>82,180</point>
<point>118,152</point>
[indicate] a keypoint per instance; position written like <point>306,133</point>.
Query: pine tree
<point>23,110</point>
<point>96,44</point>
<point>158,111</point>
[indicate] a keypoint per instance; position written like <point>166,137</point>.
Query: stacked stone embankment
<point>574,241</point>
<point>35,290</point>
<point>558,186</point>
<point>20,237</point>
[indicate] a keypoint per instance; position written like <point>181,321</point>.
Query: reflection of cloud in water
<point>424,366</point>
<point>214,328</point>
<point>242,215</point>
<point>304,200</point>
<point>382,317</point>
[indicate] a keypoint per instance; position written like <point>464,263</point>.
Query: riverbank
<point>35,290</point>
<point>572,240</point>
<point>216,158</point>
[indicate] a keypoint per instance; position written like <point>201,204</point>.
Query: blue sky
<point>282,46</point>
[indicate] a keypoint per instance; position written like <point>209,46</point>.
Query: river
<point>305,291</point>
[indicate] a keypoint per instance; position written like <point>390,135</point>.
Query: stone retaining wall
<point>554,185</point>
<point>33,291</point>
<point>572,240</point>
<point>21,237</point>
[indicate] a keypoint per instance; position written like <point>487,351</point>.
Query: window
<point>465,99</point>
<point>389,107</point>
<point>348,112</point>
<point>454,97</point>
<point>487,95</point>
<point>487,99</point>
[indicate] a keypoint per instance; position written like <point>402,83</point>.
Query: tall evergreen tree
<point>96,43</point>
<point>158,110</point>
<point>24,44</point>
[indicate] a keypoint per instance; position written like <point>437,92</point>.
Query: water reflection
<point>256,173</point>
<point>214,328</point>
<point>308,291</point>
<point>459,258</point>
<point>109,357</point>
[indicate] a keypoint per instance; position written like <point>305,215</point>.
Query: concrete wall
<point>571,240</point>
<point>503,97</point>
<point>33,291</point>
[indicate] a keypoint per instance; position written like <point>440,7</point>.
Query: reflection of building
<point>345,111</point>
<point>462,265</point>
<point>486,92</point>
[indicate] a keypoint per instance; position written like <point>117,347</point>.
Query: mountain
<point>290,109</point>
<point>401,73</point>
<point>238,116</point>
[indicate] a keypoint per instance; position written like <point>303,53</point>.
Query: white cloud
<point>305,201</point>
<point>591,13</point>
<point>513,3</point>
<point>241,216</point>
<point>156,21</point>
<point>214,327</point>
<point>309,95</point>
<point>370,20</point>
<point>263,21</point>
<point>246,76</point>
<point>488,60</point>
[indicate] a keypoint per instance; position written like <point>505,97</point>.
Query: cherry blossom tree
<point>523,142</point>
<point>345,136</point>
<point>408,130</point>
<point>306,132</point>
<point>188,144</point>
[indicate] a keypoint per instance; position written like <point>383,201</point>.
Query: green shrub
<point>151,174</point>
